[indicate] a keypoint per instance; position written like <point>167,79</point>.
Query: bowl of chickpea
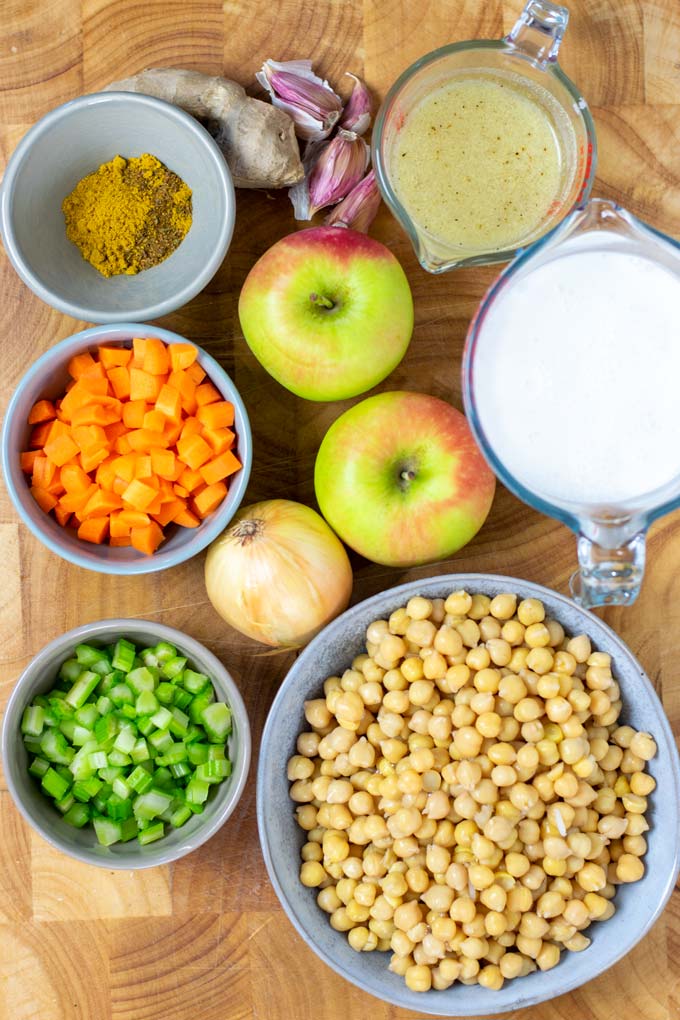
<point>469,796</point>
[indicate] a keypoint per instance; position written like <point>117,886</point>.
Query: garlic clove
<point>357,209</point>
<point>340,166</point>
<point>357,115</point>
<point>307,99</point>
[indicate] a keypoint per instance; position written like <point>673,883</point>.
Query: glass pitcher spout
<point>538,32</point>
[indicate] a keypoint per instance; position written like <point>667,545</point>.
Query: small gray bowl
<point>37,809</point>
<point>637,906</point>
<point>47,377</point>
<point>72,141</point>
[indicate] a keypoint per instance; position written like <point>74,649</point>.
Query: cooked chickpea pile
<point>469,799</point>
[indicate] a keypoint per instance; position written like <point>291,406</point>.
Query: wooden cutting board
<point>206,939</point>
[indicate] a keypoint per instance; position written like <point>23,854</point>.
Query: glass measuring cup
<point>611,533</point>
<point>528,55</point>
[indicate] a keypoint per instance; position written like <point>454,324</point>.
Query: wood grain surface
<point>205,939</point>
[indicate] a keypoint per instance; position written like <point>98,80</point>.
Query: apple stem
<point>319,299</point>
<point>408,476</point>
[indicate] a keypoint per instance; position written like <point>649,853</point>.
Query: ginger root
<point>258,140</point>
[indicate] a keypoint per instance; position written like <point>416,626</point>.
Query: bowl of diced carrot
<point>126,449</point>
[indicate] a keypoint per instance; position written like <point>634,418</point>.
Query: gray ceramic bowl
<point>47,378</point>
<point>82,844</point>
<point>72,141</point>
<point>637,906</point>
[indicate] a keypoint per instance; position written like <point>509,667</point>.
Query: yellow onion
<point>278,573</point>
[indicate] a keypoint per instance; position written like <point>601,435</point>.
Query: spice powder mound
<point>128,215</point>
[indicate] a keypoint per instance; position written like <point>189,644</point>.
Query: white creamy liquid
<point>577,376</point>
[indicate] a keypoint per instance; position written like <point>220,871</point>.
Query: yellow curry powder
<point>128,215</point>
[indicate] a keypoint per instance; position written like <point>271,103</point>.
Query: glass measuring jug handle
<point>537,33</point>
<point>608,576</point>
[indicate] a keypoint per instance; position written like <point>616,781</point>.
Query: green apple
<point>401,480</point>
<point>327,312</point>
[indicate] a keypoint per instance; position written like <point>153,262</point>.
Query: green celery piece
<point>125,741</point>
<point>61,708</point>
<point>70,670</point>
<point>162,776</point>
<point>118,808</point>
<point>140,752</point>
<point>111,772</point>
<point>64,772</point>
<point>162,718</point>
<point>141,679</point>
<point>179,723</point>
<point>68,728</point>
<point>116,676</point>
<point>197,791</point>
<point>123,657</point>
<point>200,702</point>
<point>80,766</point>
<point>180,769</point>
<point>104,705</point>
<point>139,780</point>
<point>128,829</point>
<point>128,712</point>
<point>107,830</point>
<point>38,767</point>
<point>66,803</point>
<point>82,689</point>
<point>180,816</point>
<point>176,753</point>
<point>217,752</point>
<point>50,718</point>
<point>98,760</point>
<point>87,655</point>
<point>54,785</point>
<point>99,802</point>
<point>165,652</point>
<point>121,694</point>
<point>193,734</point>
<point>196,809</point>
<point>55,748</point>
<point>165,693</point>
<point>217,721</point>
<point>105,728</point>
<point>160,740</point>
<point>145,725</point>
<point>78,815</point>
<point>182,698</point>
<point>86,789</point>
<point>102,667</point>
<point>87,715</point>
<point>193,682</point>
<point>81,735</point>
<point>147,703</point>
<point>172,668</point>
<point>121,788</point>
<point>198,753</point>
<point>32,745</point>
<point>213,771</point>
<point>33,721</point>
<point>119,758</point>
<point>149,658</point>
<point>151,834</point>
<point>150,804</point>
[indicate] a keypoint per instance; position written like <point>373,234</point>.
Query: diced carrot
<point>218,415</point>
<point>182,355</point>
<point>94,382</point>
<point>114,430</point>
<point>169,511</point>
<point>154,421</point>
<point>55,486</point>
<point>194,451</point>
<point>40,434</point>
<point>187,519</point>
<point>119,540</point>
<point>133,519</point>
<point>100,504</point>
<point>106,472</point>
<point>79,396</point>
<point>122,445</point>
<point>138,345</point>
<point>62,516</point>
<point>221,467</point>
<point>118,528</point>
<point>144,386</point>
<point>143,467</point>
<point>133,413</point>
<point>114,357</point>
<point>191,478</point>
<point>44,471</point>
<point>42,410</point>
<point>155,506</point>
<point>120,381</point>
<point>45,500</point>
<point>55,429</point>
<point>144,439</point>
<point>94,529</point>
<point>191,427</point>
<point>91,459</point>
<point>139,495</point>
<point>80,364</point>
<point>181,491</point>
<point>27,460</point>
<point>147,540</point>
<point>209,499</point>
<point>195,372</point>
<point>89,437</point>
<point>172,432</point>
<point>164,463</point>
<point>97,414</point>
<point>61,450</point>
<point>73,502</point>
<point>169,403</point>
<point>125,466</point>
<point>156,359</point>
<point>219,439</point>
<point>186,387</point>
<point>119,486</point>
<point>74,478</point>
<point>206,393</point>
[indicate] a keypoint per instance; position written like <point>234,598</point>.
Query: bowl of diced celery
<point>126,743</point>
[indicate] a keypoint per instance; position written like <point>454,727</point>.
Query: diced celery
<point>121,694</point>
<point>139,780</point>
<point>182,698</point>
<point>128,829</point>
<point>150,804</point>
<point>98,760</point>
<point>54,785</point>
<point>104,704</point>
<point>193,682</point>
<point>179,723</point>
<point>88,654</point>
<point>172,668</point>
<point>141,679</point>
<point>182,768</point>
<point>193,734</point>
<point>151,833</point>
<point>99,802</point>
<point>32,745</point>
<point>55,749</point>
<point>145,725</point>
<point>70,670</point>
<point>160,740</point>
<point>123,655</point>
<point>173,755</point>
<point>217,721</point>
<point>165,651</point>
<point>121,788</point>
<point>125,741</point>
<point>105,727</point>
<point>33,721</point>
<point>111,772</point>
<point>108,831</point>
<point>61,709</point>
<point>165,693</point>
<point>180,816</point>
<point>213,771</point>
<point>118,807</point>
<point>116,676</point>
<point>162,718</point>
<point>162,777</point>
<point>197,791</point>
<point>78,815</point>
<point>87,716</point>
<point>200,702</point>
<point>147,703</point>
<point>38,767</point>
<point>119,758</point>
<point>149,658</point>
<point>216,752</point>
<point>65,804</point>
<point>82,689</point>
<point>140,752</point>
<point>198,753</point>
<point>86,789</point>
<point>81,735</point>
<point>128,712</point>
<point>68,728</point>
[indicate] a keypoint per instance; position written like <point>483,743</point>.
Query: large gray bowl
<point>637,906</point>
<point>72,141</point>
<point>39,811</point>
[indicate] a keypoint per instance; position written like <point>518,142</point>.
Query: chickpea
<point>537,636</point>
<point>629,868</point>
<point>418,978</point>
<point>643,745</point>
<point>579,647</point>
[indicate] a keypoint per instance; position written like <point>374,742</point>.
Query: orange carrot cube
<point>114,357</point>
<point>220,467</point>
<point>182,356</point>
<point>206,393</point>
<point>209,499</point>
<point>61,450</point>
<point>139,495</point>
<point>193,450</point>
<point>94,529</point>
<point>42,410</point>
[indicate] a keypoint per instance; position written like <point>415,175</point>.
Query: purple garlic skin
<point>309,100</point>
<point>357,209</point>
<point>357,115</point>
<point>339,168</point>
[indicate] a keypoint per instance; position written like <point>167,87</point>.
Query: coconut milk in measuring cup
<point>571,377</point>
